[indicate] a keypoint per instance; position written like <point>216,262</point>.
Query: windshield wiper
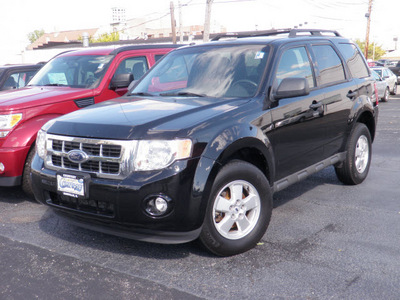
<point>141,94</point>
<point>183,94</point>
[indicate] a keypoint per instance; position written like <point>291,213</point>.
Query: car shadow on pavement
<point>14,195</point>
<point>59,228</point>
<point>326,176</point>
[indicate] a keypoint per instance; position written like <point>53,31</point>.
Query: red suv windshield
<point>84,71</point>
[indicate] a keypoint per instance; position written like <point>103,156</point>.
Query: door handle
<point>315,105</point>
<point>351,94</point>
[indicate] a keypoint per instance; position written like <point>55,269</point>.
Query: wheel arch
<point>368,119</point>
<point>248,149</point>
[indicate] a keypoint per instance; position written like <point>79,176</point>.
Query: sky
<point>20,17</point>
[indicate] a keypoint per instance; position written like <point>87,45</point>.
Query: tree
<point>34,35</point>
<point>375,51</point>
<point>107,37</point>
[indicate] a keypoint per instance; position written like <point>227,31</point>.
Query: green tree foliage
<point>374,54</point>
<point>34,35</point>
<point>107,37</point>
<point>103,38</point>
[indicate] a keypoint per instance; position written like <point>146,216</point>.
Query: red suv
<point>70,81</point>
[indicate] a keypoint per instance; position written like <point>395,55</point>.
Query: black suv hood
<point>124,118</point>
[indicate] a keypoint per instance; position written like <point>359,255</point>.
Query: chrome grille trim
<point>107,158</point>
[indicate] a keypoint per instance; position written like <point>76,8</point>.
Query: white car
<point>389,77</point>
<point>382,86</point>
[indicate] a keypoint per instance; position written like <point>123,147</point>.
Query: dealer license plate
<point>70,185</point>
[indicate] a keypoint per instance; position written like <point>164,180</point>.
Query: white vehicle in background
<point>389,77</point>
<point>382,87</point>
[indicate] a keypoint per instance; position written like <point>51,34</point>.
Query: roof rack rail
<point>250,34</point>
<point>313,32</point>
<point>291,32</point>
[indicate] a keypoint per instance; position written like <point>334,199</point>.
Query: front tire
<point>239,209</point>
<point>355,168</point>
<point>26,175</point>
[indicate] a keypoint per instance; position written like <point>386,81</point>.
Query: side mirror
<point>292,87</point>
<point>132,84</point>
<point>121,81</point>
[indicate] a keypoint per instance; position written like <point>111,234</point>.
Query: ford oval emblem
<point>77,156</point>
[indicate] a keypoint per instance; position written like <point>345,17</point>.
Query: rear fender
<point>363,111</point>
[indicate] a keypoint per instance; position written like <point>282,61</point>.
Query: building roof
<point>392,55</point>
<point>60,37</point>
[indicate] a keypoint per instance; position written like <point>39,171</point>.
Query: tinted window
<point>355,61</point>
<point>18,80</point>
<point>329,64</point>
<point>295,63</point>
<point>157,57</point>
<point>133,65</point>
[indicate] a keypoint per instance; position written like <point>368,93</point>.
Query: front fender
<point>25,134</point>
<point>246,143</point>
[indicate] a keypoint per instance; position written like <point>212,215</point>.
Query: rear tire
<point>358,159</point>
<point>239,209</point>
<point>385,97</point>
<point>26,175</point>
<point>394,90</point>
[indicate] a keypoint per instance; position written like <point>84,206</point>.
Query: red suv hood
<point>40,95</point>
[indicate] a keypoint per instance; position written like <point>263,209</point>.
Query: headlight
<point>7,122</point>
<point>41,144</point>
<point>159,154</point>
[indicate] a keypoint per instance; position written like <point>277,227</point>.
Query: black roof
<point>288,32</point>
<point>19,66</point>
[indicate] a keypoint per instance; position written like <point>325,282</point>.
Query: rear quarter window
<point>354,59</point>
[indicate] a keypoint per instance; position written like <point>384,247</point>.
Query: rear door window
<point>330,66</point>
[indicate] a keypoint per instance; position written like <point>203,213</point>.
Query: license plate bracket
<point>73,185</point>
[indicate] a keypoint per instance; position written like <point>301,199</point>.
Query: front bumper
<point>118,206</point>
<point>13,160</point>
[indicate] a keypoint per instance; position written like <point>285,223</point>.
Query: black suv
<point>200,144</point>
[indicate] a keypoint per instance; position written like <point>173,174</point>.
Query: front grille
<point>105,158</point>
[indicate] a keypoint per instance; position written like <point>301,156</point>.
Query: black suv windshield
<point>212,71</point>
<point>84,71</point>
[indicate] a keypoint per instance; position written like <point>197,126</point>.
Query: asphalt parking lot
<point>325,241</point>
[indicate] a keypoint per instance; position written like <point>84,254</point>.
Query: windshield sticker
<point>259,55</point>
<point>57,78</point>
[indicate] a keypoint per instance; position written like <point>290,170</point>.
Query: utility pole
<point>368,15</point>
<point>180,23</point>
<point>173,25</point>
<point>206,35</point>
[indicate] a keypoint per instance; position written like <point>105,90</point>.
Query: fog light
<point>158,205</point>
<point>2,168</point>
